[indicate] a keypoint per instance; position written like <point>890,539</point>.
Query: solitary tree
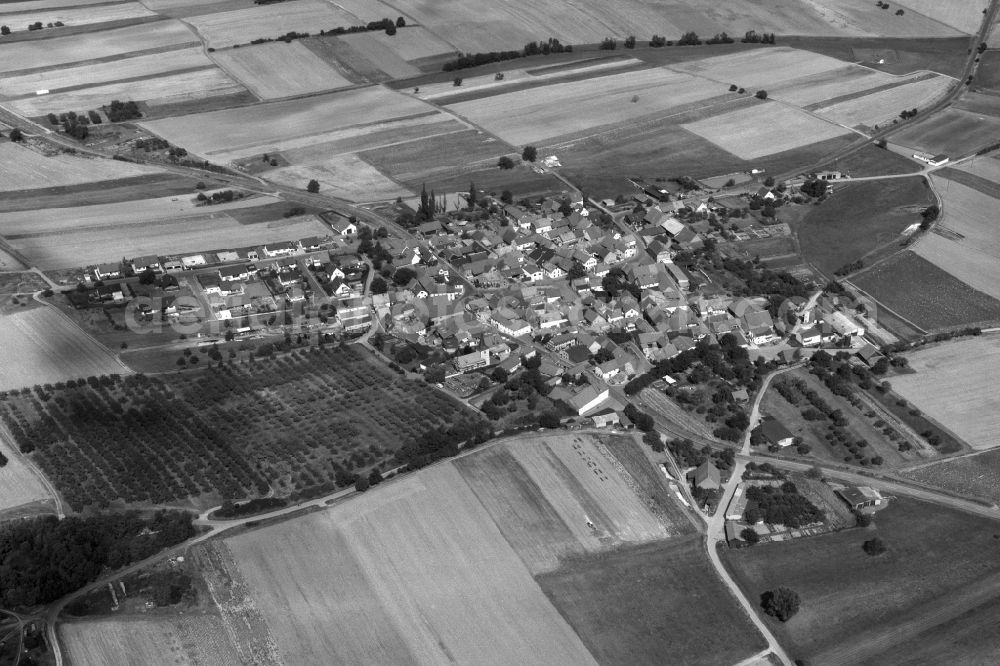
<point>749,535</point>
<point>781,603</point>
<point>400,22</point>
<point>505,163</point>
<point>16,135</point>
<point>507,197</point>
<point>761,94</point>
<point>4,30</point>
<point>313,186</point>
<point>874,547</point>
<point>529,154</point>
<point>549,420</point>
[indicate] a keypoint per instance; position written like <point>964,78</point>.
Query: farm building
<point>844,325</point>
<point>933,160</point>
<point>587,399</point>
<point>344,227</point>
<point>476,359</point>
<point>863,498</point>
<point>775,433</point>
<point>738,504</point>
<point>706,476</point>
<point>605,417</point>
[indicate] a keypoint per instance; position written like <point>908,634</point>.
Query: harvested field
<point>829,84</point>
<point>483,26</point>
<point>164,641</point>
<point>963,262</point>
<point>763,129</point>
<point>954,132</point>
<point>45,5</point>
<point>764,68</point>
<point>19,485</point>
<point>102,192</point>
<point>94,45</point>
<point>384,59</point>
<point>953,384</point>
<point>409,43</point>
<point>963,15</point>
<point>141,66</point>
<point>278,69</point>
<point>874,161</point>
<point>72,16</point>
<point>224,136</point>
<point>528,116</point>
<point>944,55</point>
<point>880,108</point>
<point>975,475</point>
<point>41,346</point>
<point>68,237</point>
<point>987,103</point>
<point>346,176</point>
<point>169,89</point>
<point>24,169</point>
<point>940,564</point>
<point>270,21</point>
<point>375,136</point>
<point>988,74</point>
<point>542,492</point>
<point>415,162</point>
<point>925,294</point>
<point>633,606</point>
<point>979,173</point>
<point>427,577</point>
<point>859,218</point>
<point>346,60</point>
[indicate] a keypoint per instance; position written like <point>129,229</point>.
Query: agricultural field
<point>420,574</point>
<point>103,192</point>
<point>346,176</point>
<point>24,169</point>
<point>398,55</point>
<point>164,641</point>
<point>953,385</point>
<point>277,69</point>
<point>157,91</point>
<point>882,107</point>
<point>830,84</point>
<point>302,421</point>
<point>528,116</point>
<point>41,346</point>
<point>976,475</point>
<point>140,66</point>
<point>72,16</point>
<point>763,68</point>
<point>764,129</point>
<point>636,604</point>
<point>241,26</point>
<point>345,59</point>
<point>71,237</point>
<point>59,51</point>
<point>926,295</point>
<point>954,132</point>
<point>19,485</point>
<point>987,103</point>
<point>542,493</point>
<point>963,15</point>
<point>964,241</point>
<point>859,218</point>
<point>228,135</point>
<point>940,565</point>
<point>874,161</point>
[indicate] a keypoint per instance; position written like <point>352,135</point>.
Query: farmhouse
<point>605,417</point>
<point>706,476</point>
<point>775,433</point>
<point>844,325</point>
<point>863,498</point>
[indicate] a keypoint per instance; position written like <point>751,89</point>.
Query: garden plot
<point>882,107</point>
<point>41,346</point>
<point>60,51</point>
<point>763,68</point>
<point>72,16</point>
<point>24,169</point>
<point>224,136</point>
<point>171,88</point>
<point>427,578</point>
<point>954,383</point>
<point>164,641</point>
<point>527,116</point>
<point>764,129</point>
<point>142,66</point>
<point>224,29</point>
<point>278,69</point>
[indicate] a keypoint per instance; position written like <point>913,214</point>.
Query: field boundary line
<point>30,464</point>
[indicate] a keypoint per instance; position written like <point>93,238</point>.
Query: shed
<point>775,433</point>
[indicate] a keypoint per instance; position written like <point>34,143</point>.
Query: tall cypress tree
<point>472,195</point>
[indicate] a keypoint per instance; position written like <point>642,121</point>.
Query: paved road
<point>717,523</point>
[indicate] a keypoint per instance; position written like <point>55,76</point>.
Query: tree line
<point>467,60</point>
